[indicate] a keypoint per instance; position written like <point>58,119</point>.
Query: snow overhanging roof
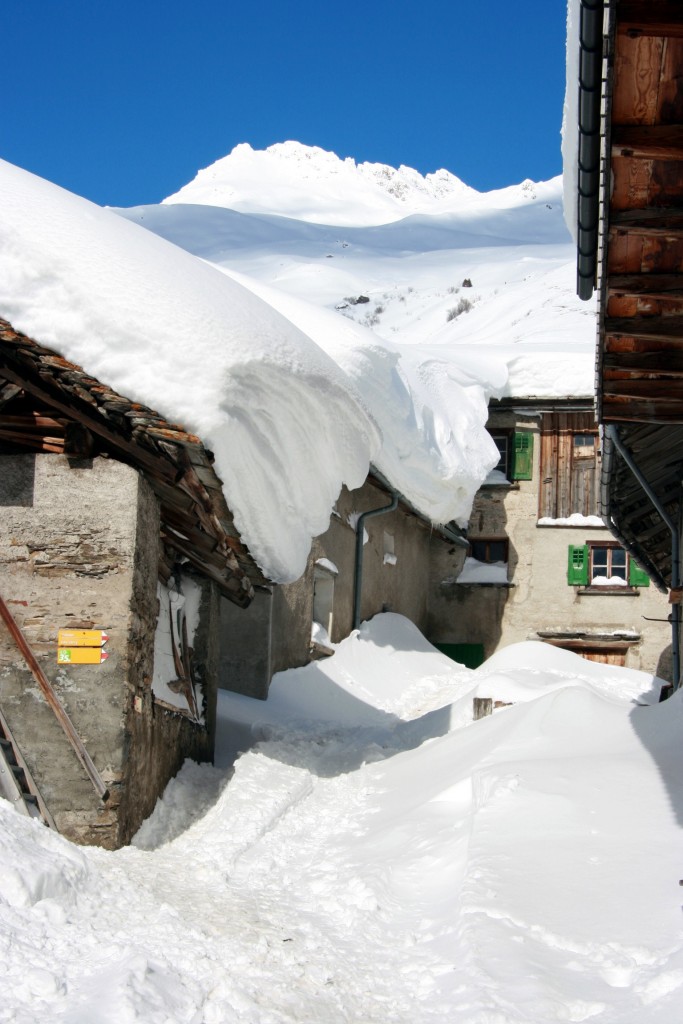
<point>43,396</point>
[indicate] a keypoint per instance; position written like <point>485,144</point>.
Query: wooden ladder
<point>16,782</point>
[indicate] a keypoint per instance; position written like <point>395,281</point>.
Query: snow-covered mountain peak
<point>308,183</point>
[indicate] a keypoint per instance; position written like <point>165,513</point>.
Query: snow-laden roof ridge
<point>161,327</point>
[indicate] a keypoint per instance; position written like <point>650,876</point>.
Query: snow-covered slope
<point>328,232</point>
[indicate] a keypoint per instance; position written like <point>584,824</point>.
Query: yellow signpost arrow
<point>81,638</point>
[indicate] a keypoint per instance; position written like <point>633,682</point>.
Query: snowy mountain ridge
<point>413,260</point>
<point>312,184</point>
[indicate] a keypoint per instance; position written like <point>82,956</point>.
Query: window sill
<point>464,583</point>
<point>570,526</point>
<point>609,591</point>
<point>501,485</point>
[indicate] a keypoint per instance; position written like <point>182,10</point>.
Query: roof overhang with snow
<point>637,255</point>
<point>48,404</point>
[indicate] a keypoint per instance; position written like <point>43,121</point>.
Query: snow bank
<point>163,328</point>
<point>399,863</point>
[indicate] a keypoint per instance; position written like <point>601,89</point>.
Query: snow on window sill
<point>575,521</point>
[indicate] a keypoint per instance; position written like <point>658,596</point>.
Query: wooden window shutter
<point>577,570</point>
<point>637,577</point>
<point>524,455</point>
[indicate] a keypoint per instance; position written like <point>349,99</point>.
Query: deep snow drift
<point>377,856</point>
<point>283,413</point>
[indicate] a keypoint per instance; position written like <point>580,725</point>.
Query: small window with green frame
<point>603,566</point>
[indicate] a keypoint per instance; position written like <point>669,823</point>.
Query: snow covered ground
<point>374,855</point>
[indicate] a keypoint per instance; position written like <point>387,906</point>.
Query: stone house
<point>541,564</point>
<point>115,548</point>
<point>125,580</point>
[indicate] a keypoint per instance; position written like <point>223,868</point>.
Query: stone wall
<point>396,577</point>
<point>79,545</point>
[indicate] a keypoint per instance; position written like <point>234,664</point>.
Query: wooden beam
<point>651,221</point>
<point>645,388</point>
<point>664,363</point>
<point>32,420</point>
<point>54,445</point>
<point>654,328</point>
<point>646,286</point>
<point>616,410</point>
<point>648,142</point>
<point>161,466</point>
<point>650,19</point>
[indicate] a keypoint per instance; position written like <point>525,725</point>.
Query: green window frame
<point>579,567</point>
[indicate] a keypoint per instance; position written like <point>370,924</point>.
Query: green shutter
<point>577,571</point>
<point>636,576</point>
<point>522,465</point>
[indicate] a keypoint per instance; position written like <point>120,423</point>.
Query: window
<point>502,443</point>
<point>489,549</point>
<point>516,454</point>
<point>570,466</point>
<point>486,562</point>
<point>323,599</point>
<point>603,565</point>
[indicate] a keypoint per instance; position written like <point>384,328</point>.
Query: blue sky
<point>123,101</point>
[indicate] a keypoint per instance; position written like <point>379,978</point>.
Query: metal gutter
<point>590,100</point>
<point>612,436</point>
<point>448,533</point>
<point>358,568</point>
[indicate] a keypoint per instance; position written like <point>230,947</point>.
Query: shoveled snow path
<point>289,931</point>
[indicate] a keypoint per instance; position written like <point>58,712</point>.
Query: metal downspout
<point>358,570</point>
<point>589,143</point>
<point>612,433</point>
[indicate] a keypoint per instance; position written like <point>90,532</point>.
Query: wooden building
<point>630,248</point>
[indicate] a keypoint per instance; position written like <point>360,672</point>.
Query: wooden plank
<point>652,286</point>
<point>648,142</point>
<point>32,420</point>
<point>646,387</point>
<point>662,364</point>
<point>54,445</point>
<point>620,410</point>
<point>647,219</point>
<point>162,467</point>
<point>637,63</point>
<point>650,19</point>
<point>655,328</point>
